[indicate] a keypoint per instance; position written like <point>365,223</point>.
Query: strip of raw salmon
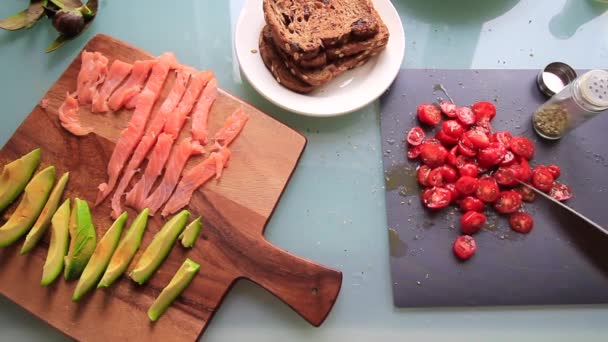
<point>194,179</point>
<point>93,69</point>
<point>68,116</point>
<point>232,127</point>
<point>127,141</point>
<point>176,164</point>
<point>200,115</point>
<point>173,126</point>
<point>133,85</point>
<point>119,70</point>
<point>166,62</point>
<point>149,139</point>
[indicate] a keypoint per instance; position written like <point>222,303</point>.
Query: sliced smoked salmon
<point>178,117</point>
<point>200,114</point>
<point>133,85</point>
<point>119,70</point>
<point>158,76</point>
<point>93,70</point>
<point>232,127</point>
<point>68,116</point>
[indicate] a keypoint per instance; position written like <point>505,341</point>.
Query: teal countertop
<point>333,210</point>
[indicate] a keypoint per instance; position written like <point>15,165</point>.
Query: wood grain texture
<point>235,210</point>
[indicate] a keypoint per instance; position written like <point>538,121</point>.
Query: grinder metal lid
<point>555,77</point>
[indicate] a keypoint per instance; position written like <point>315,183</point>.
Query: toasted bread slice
<point>303,28</point>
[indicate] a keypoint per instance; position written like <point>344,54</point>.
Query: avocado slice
<point>36,194</point>
<point>44,219</point>
<point>126,249</point>
<point>15,176</point>
<point>190,234</point>
<point>180,281</point>
<point>100,258</point>
<point>82,240</point>
<point>58,247</point>
<point>161,245</point>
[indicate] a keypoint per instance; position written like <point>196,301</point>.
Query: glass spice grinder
<point>582,99</point>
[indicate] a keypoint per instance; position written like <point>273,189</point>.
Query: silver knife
<point>581,216</point>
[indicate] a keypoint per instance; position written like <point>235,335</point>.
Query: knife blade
<point>569,209</point>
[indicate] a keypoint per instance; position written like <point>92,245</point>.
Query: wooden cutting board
<point>235,210</point>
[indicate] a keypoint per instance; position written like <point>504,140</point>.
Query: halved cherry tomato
<point>436,197</point>
<point>502,137</point>
<point>466,185</point>
<point>487,189</point>
<point>542,179</point>
<point>472,222</point>
<point>508,202</point>
<point>465,115</point>
<point>451,158</point>
<point>431,141</point>
<point>554,170</point>
<point>446,139</point>
<point>464,247</point>
<point>560,191</point>
<point>452,128</point>
<point>469,169</point>
<point>413,152</point>
<point>454,193</point>
<point>465,147</point>
<point>505,176</point>
<point>477,138</point>
<point>491,155</point>
<point>448,108</point>
<point>521,222</point>
<point>429,114</point>
<point>435,177</point>
<point>527,194</point>
<point>415,136</point>
<point>508,159</point>
<point>471,203</point>
<point>422,174</point>
<point>522,147</point>
<point>449,173</point>
<point>525,173</point>
<point>484,111</point>
<point>433,155</point>
<point>484,126</point>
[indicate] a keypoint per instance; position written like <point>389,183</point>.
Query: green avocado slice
<point>161,245</point>
<point>190,234</point>
<point>44,219</point>
<point>34,198</point>
<point>180,281</point>
<point>126,249</point>
<point>58,247</point>
<point>82,240</point>
<point>15,176</point>
<point>100,258</point>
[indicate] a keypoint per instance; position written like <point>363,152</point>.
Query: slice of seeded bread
<point>302,29</point>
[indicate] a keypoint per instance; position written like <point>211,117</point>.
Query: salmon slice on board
<point>200,114</point>
<point>68,116</point>
<point>195,178</point>
<point>127,141</point>
<point>149,139</point>
<point>232,128</point>
<point>93,70</point>
<point>166,62</point>
<point>119,70</point>
<point>133,85</point>
<point>186,148</point>
<point>173,126</point>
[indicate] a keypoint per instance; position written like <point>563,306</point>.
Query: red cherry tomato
<point>464,247</point>
<point>477,138</point>
<point>542,179</point>
<point>505,177</point>
<point>491,155</point>
<point>508,202</point>
<point>527,194</point>
<point>431,141</point>
<point>451,158</point>
<point>465,115</point>
<point>448,108</point>
<point>554,170</point>
<point>415,136</point>
<point>487,189</point>
<point>413,152</point>
<point>422,174</point>
<point>435,177</point>
<point>436,197</point>
<point>429,114</point>
<point>508,159</point>
<point>560,191</point>
<point>522,147</point>
<point>452,128</point>
<point>472,222</point>
<point>471,203</point>
<point>503,137</point>
<point>525,173</point>
<point>454,193</point>
<point>466,185</point>
<point>521,222</point>
<point>465,147</point>
<point>433,155</point>
<point>469,169</point>
<point>449,173</point>
<point>484,111</point>
<point>484,126</point>
<point>446,139</point>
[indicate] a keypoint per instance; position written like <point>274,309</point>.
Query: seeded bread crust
<point>302,29</point>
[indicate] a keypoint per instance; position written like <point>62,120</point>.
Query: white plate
<point>346,93</point>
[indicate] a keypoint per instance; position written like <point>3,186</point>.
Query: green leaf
<point>24,19</point>
<point>57,43</point>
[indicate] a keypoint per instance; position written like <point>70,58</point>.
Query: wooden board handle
<point>308,288</point>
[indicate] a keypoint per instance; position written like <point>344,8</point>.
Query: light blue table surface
<point>333,210</point>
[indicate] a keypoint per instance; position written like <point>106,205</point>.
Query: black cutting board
<point>562,261</point>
